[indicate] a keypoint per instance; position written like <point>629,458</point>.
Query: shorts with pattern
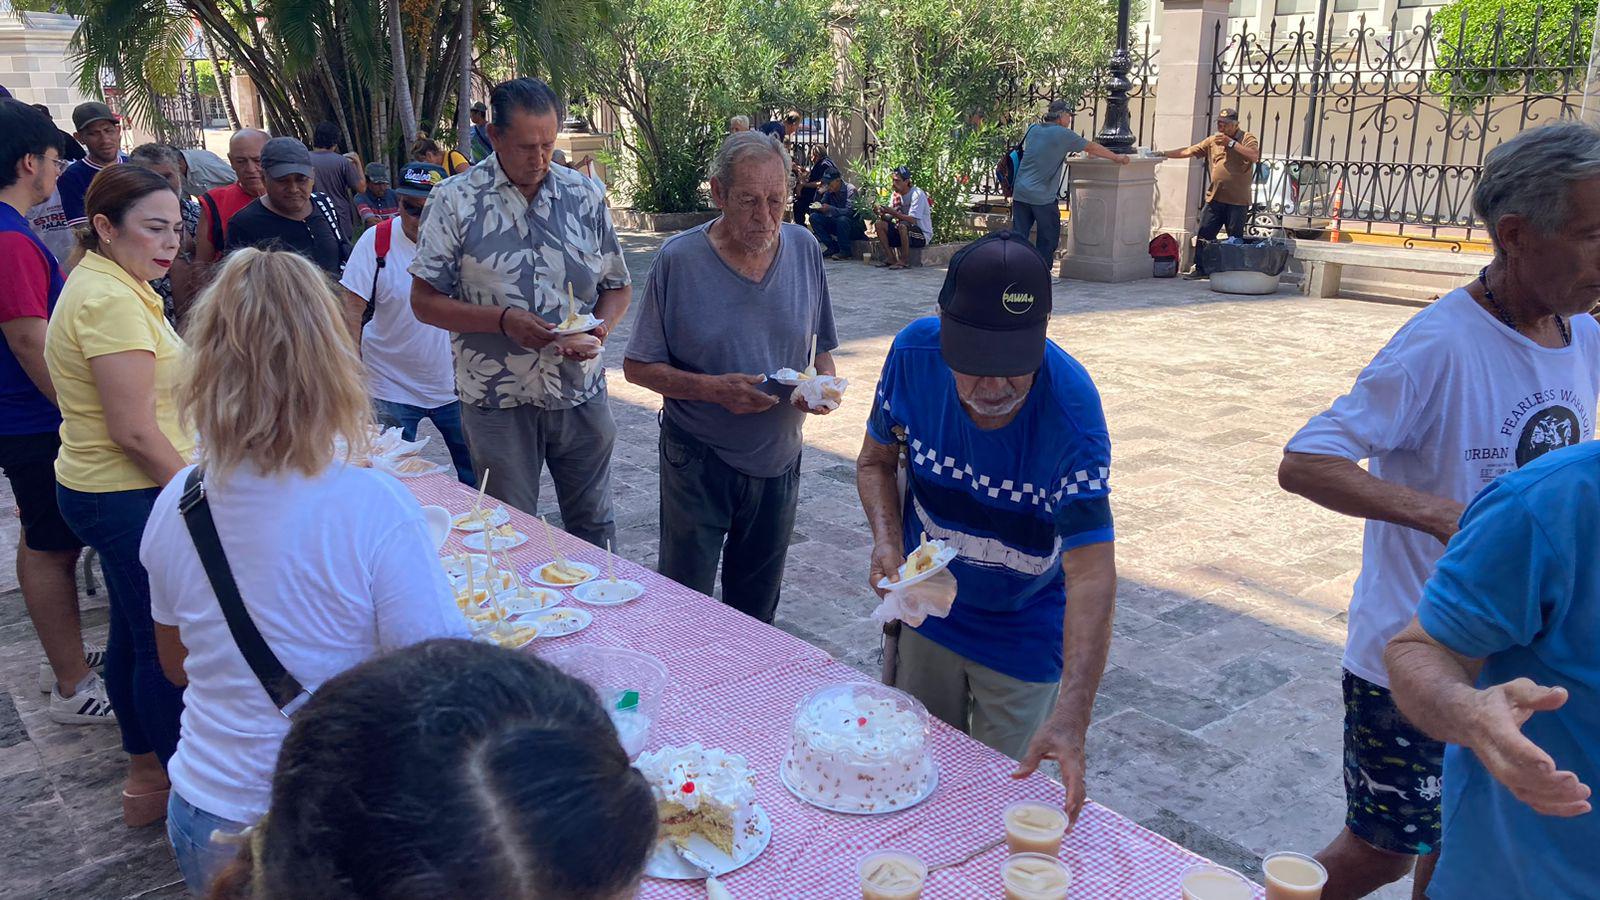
<point>1392,773</point>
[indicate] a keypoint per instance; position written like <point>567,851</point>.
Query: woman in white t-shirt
<point>333,561</point>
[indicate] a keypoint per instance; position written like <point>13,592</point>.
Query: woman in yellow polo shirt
<point>114,361</point>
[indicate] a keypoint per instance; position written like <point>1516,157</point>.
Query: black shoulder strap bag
<point>284,689</point>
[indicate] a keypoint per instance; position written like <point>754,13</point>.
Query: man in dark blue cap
<point>1006,461</point>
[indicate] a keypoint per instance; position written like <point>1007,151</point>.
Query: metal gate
<point>1385,131</point>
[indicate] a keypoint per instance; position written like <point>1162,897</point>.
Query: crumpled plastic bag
<point>821,392</point>
<point>931,597</point>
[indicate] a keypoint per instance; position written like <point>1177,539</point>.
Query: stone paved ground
<point>1218,718</point>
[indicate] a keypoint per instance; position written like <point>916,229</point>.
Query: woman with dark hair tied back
<point>447,770</point>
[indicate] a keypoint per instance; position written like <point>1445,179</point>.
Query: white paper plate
<point>560,622</point>
<point>535,576</point>
<point>537,599</point>
<point>455,565</point>
<point>474,541</point>
<point>933,785</point>
<point>484,637</point>
<point>417,465</point>
<point>665,863</point>
<point>788,376</point>
<point>496,518</point>
<point>602,592</point>
<point>941,561</point>
<point>585,328</point>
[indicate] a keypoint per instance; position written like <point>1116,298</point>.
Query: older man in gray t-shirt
<point>725,304</point>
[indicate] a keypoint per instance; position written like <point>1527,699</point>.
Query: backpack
<point>380,247</point>
<point>1005,171</point>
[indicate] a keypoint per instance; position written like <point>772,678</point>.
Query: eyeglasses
<point>61,164</point>
<point>411,209</point>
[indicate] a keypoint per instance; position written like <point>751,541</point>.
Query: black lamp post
<point>1116,136</point>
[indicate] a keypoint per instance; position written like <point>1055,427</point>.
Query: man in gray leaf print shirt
<point>501,246</point>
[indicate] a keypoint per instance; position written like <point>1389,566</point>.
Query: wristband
<point>503,314</point>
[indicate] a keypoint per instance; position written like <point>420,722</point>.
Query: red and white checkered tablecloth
<point>734,685</point>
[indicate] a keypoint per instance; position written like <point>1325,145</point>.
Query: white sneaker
<point>95,656</point>
<point>89,706</point>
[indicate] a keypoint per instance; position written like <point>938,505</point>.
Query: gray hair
<point>741,147</point>
<point>1057,109</point>
<point>157,155</point>
<point>739,120</point>
<point>1532,175</point>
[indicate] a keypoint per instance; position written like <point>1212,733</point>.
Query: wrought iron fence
<point>1031,99</point>
<point>1021,103</point>
<point>1385,131</point>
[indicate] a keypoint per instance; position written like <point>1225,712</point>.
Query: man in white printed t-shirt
<point>1488,378</point>
<point>409,367</point>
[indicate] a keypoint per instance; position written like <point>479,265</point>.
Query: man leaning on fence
<point>1232,154</point>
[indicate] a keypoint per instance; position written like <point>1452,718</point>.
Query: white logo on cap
<point>1015,302</point>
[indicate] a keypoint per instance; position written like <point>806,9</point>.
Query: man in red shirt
<point>217,206</point>
<point>29,282</point>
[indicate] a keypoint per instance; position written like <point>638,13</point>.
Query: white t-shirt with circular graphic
<point>1453,401</point>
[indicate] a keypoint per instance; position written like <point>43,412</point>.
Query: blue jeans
<point>446,418</point>
<point>836,231</point>
<point>189,830</point>
<point>148,706</point>
<point>1048,218</point>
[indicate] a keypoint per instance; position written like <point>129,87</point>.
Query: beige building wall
<point>34,63</point>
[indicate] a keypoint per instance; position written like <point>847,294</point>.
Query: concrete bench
<point>1325,262</point>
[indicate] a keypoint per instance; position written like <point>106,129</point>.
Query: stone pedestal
<point>1108,236</point>
<point>1188,47</point>
<point>578,144</point>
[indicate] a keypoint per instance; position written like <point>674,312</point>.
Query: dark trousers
<point>1047,216</point>
<point>802,203</point>
<point>711,511</point>
<point>446,418</point>
<point>148,706</point>
<point>1215,217</point>
<point>519,441</point>
<point>837,231</point>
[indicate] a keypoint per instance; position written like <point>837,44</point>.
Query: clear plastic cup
<point>891,875</point>
<point>1209,881</point>
<point>1034,827</point>
<point>1034,876</point>
<point>1293,876</point>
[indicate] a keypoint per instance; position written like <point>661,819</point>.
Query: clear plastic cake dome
<point>860,747</point>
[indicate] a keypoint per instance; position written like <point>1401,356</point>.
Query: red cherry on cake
<point>688,787</point>
<point>862,721</point>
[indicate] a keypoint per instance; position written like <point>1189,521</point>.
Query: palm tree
<point>342,61</point>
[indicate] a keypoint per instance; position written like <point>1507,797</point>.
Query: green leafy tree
<point>945,84</point>
<point>1490,47</point>
<point>677,69</point>
<point>324,60</point>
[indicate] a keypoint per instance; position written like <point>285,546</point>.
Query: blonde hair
<point>272,377</point>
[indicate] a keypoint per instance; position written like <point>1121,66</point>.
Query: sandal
<point>139,810</point>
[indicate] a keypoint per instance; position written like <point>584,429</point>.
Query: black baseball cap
<point>417,179</point>
<point>285,156</point>
<point>86,114</point>
<point>995,307</point>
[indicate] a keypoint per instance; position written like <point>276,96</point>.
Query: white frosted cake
<point>701,791</point>
<point>860,748</point>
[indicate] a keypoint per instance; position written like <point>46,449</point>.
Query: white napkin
<point>911,605</point>
<point>821,392</point>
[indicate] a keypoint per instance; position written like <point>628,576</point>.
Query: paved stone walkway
<point>1218,718</point>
